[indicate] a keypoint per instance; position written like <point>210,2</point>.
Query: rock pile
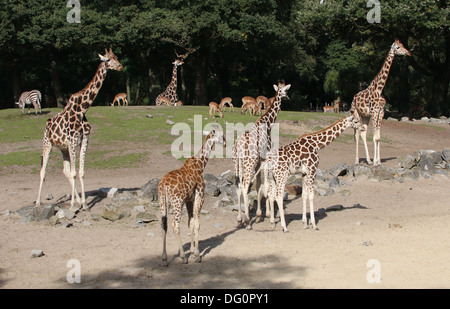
<point>141,206</point>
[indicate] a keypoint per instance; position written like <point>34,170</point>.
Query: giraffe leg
<point>281,209</point>
<point>70,173</point>
<point>177,207</point>
<point>83,149</point>
<point>356,136</point>
<point>47,149</point>
<point>191,223</point>
<point>246,219</point>
<point>304,200</point>
<point>364,138</point>
<point>311,209</point>
<point>197,208</point>
<point>259,191</point>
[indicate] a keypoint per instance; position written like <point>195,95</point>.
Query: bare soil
<point>404,227</point>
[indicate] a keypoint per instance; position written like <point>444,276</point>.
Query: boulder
<point>408,162</point>
<point>33,213</point>
<point>359,170</point>
<point>212,189</point>
<point>339,170</point>
<point>150,189</point>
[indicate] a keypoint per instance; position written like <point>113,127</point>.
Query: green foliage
<point>241,48</point>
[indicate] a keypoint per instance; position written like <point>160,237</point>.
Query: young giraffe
<point>300,156</point>
<point>250,149</point>
<point>186,185</point>
<point>369,103</point>
<point>69,129</point>
<point>171,90</point>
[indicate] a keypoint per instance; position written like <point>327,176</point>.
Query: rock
<point>339,170</point>
<point>111,215</point>
<point>170,122</point>
<point>210,178</point>
<point>359,170</point>
<point>36,253</point>
<point>228,176</point>
<point>108,192</point>
<point>408,162</point>
<point>65,214</point>
<point>426,119</point>
<point>146,217</point>
<point>446,155</point>
<point>150,189</point>
<point>49,197</point>
<point>334,182</point>
<point>86,223</point>
<point>384,173</point>
<point>212,190</point>
<point>149,116</point>
<point>404,119</point>
<point>33,213</point>
<point>53,220</point>
<point>410,174</point>
<point>426,164</point>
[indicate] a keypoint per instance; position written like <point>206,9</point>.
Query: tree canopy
<point>325,49</point>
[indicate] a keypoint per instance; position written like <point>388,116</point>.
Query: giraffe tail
<point>164,207</point>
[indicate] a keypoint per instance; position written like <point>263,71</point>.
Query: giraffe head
<point>399,49</point>
<point>216,136</point>
<point>283,89</point>
<point>354,120</point>
<point>177,62</point>
<point>111,61</point>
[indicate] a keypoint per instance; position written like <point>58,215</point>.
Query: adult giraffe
<point>369,103</point>
<point>69,129</point>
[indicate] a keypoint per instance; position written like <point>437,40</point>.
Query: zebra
<point>28,98</point>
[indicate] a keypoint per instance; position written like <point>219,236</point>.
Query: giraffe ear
<point>287,87</point>
<point>275,87</point>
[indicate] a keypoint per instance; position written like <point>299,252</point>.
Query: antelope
<point>121,96</point>
<point>226,101</point>
<point>213,107</point>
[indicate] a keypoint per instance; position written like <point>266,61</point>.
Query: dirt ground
<point>399,231</point>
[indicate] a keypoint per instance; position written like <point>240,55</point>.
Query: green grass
<point>120,136</point>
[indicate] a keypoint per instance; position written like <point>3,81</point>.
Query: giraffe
<point>186,185</point>
<point>171,90</point>
<point>300,156</point>
<point>69,129</point>
<point>213,108</point>
<point>250,149</point>
<point>369,103</point>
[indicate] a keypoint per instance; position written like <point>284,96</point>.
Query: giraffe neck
<point>324,137</point>
<point>81,101</point>
<point>173,83</point>
<point>271,114</point>
<point>205,151</point>
<point>379,81</point>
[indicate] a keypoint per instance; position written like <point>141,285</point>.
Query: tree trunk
<point>16,82</point>
<point>137,92</point>
<point>201,64</point>
<point>57,89</point>
<point>128,90</point>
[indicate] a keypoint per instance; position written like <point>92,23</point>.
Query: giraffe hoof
<point>285,231</point>
<point>248,227</point>
<point>164,264</point>
<point>198,259</point>
<point>272,225</point>
<point>184,260</point>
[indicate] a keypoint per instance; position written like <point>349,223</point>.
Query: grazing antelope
<point>264,101</point>
<point>226,101</point>
<point>213,108</point>
<point>120,97</point>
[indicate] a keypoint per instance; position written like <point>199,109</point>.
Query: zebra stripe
<point>28,98</point>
